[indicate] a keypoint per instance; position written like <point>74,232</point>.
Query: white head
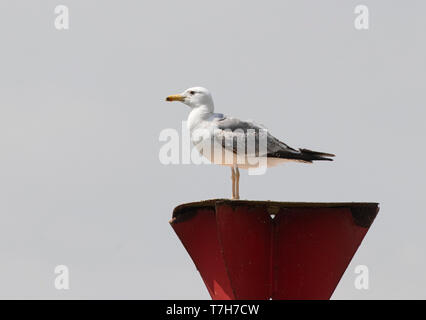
<point>194,98</point>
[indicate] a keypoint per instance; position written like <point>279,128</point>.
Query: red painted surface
<point>242,253</point>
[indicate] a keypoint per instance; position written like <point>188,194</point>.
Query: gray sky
<point>81,111</point>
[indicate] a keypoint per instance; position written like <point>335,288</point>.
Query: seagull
<point>223,135</point>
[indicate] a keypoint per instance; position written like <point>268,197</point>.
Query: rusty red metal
<point>271,250</point>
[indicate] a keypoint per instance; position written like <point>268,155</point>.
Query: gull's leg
<point>237,183</point>
<point>233,183</point>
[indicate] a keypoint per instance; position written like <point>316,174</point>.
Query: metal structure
<point>271,250</point>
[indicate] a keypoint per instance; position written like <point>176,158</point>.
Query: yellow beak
<point>175,97</point>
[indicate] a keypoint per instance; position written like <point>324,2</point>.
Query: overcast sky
<point>81,111</point>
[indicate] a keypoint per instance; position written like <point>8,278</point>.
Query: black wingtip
<point>315,155</point>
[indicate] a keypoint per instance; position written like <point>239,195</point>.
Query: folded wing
<point>239,136</point>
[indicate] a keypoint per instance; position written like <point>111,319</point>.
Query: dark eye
<point>191,92</point>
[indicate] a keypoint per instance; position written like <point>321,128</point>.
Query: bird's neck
<point>199,114</point>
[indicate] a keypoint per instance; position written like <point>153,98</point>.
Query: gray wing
<point>234,133</point>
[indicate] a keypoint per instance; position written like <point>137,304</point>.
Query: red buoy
<point>271,250</point>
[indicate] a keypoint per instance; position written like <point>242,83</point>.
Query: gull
<point>226,134</point>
